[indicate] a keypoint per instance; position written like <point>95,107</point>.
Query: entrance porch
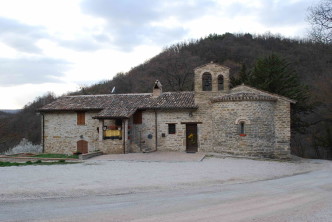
<point>113,135</point>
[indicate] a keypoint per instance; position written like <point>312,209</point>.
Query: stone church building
<point>213,118</point>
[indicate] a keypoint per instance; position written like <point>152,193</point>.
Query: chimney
<point>157,89</point>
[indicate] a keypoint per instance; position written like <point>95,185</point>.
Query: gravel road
<point>103,177</point>
<point>229,190</point>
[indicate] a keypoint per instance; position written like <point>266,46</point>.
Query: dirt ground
<point>214,189</point>
<point>113,175</point>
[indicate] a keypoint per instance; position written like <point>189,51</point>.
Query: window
<point>242,123</point>
<point>137,118</point>
<point>112,129</point>
<point>80,118</point>
<point>220,82</point>
<point>242,128</point>
<point>207,82</point>
<point>171,128</point>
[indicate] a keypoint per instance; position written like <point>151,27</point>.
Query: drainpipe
<point>140,140</point>
<point>43,132</point>
<point>156,129</point>
<point>124,131</point>
<point>125,138</point>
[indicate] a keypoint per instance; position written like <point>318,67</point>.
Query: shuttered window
<point>137,118</point>
<point>80,118</point>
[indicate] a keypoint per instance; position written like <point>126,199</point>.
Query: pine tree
<point>242,77</point>
<point>276,75</point>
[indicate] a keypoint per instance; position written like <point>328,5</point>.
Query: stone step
<point>147,150</point>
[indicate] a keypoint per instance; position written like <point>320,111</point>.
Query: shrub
<point>25,146</point>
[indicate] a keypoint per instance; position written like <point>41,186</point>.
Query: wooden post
<point>101,130</point>
<point>125,137</point>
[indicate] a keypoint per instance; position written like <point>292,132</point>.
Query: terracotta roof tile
<point>243,96</point>
<point>250,89</point>
<point>122,105</point>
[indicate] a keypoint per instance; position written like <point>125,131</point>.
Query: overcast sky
<point>59,45</point>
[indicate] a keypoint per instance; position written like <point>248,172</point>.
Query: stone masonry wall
<point>202,99</point>
<point>170,142</point>
<point>259,127</point>
<point>204,115</point>
<point>62,133</point>
<point>282,129</point>
<point>282,120</point>
<point>139,139</point>
<point>215,70</point>
<point>177,141</point>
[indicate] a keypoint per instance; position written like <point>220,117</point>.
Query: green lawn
<point>38,162</point>
<point>50,155</point>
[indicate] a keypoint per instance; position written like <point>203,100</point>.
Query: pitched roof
<point>243,96</point>
<point>212,64</point>
<point>122,105</point>
<point>246,88</point>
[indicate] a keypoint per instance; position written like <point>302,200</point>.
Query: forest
<point>311,61</point>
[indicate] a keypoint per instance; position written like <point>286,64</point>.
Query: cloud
<point>24,38</point>
<point>283,13</point>
<point>132,23</point>
<point>20,36</point>
<point>30,70</point>
<point>271,13</point>
<point>86,44</point>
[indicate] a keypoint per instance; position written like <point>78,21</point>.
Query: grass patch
<point>51,155</point>
<point>38,162</point>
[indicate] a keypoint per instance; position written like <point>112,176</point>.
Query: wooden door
<point>82,146</point>
<point>191,138</point>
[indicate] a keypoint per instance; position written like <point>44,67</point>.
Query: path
<point>304,197</point>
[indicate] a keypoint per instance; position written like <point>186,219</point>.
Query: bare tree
<point>320,18</point>
<point>176,68</point>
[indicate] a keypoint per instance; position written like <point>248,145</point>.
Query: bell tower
<point>212,77</point>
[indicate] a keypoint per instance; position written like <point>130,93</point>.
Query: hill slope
<point>174,66</point>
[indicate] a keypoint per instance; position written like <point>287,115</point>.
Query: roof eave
<point>68,110</point>
<point>170,108</point>
<point>110,117</point>
<point>214,63</point>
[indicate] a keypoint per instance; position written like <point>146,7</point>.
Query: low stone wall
<point>89,155</point>
<point>14,159</point>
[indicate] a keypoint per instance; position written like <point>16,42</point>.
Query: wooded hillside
<point>174,68</point>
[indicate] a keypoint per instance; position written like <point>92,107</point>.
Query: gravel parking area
<point>105,177</point>
<point>154,157</point>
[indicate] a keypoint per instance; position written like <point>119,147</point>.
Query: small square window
<point>171,128</point>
